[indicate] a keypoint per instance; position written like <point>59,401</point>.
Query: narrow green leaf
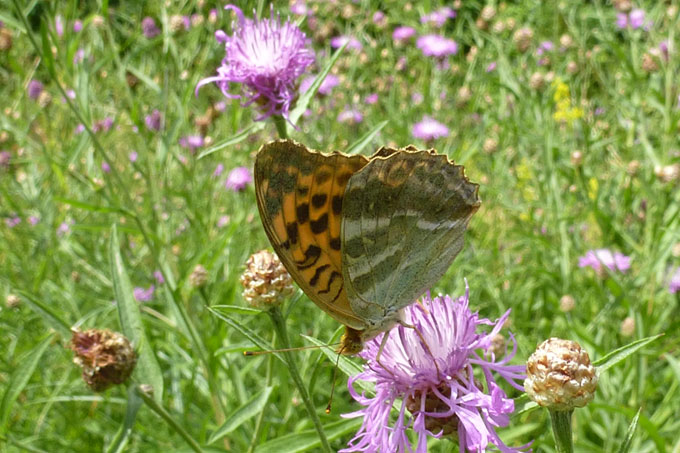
<point>22,373</point>
<point>245,133</point>
<point>622,353</point>
<point>359,145</point>
<point>236,309</point>
<point>50,317</point>
<point>306,97</point>
<point>48,59</point>
<point>90,207</point>
<point>307,440</point>
<point>625,446</point>
<point>252,407</point>
<point>145,79</point>
<point>147,371</point>
<point>134,402</point>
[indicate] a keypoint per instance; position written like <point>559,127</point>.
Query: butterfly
<point>363,237</point>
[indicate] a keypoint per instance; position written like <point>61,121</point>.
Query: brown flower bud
<point>488,13</point>
<point>107,358</point>
<point>537,81</point>
<point>576,158</point>
<point>560,375</point>
<point>572,67</point>
<point>266,283</point>
<point>566,41</point>
<point>649,62</point>
<point>668,173</point>
<point>12,301</point>
<point>628,327</point>
<point>490,145</point>
<point>5,39</point>
<point>623,5</point>
<point>567,303</point>
<point>522,38</point>
<point>198,277</point>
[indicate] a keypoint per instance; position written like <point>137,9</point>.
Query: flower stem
<point>561,426</point>
<point>281,126</point>
<point>280,326</point>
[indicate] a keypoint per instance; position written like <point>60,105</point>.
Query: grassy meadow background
<point>575,147</point>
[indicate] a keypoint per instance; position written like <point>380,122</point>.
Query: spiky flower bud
<point>560,376</point>
<point>668,173</point>
<point>198,277</point>
<point>567,303</point>
<point>12,301</point>
<point>266,283</point>
<point>522,38</point>
<point>537,81</point>
<point>107,358</point>
<point>488,13</point>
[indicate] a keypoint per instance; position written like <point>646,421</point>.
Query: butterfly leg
<point>383,342</point>
<point>427,346</point>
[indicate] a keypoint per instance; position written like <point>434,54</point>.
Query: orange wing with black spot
<point>299,195</point>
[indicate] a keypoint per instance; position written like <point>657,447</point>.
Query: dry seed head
<point>5,39</point>
<point>649,62</point>
<point>668,173</point>
<point>488,13</point>
<point>12,301</point>
<point>628,327</point>
<point>490,145</point>
<point>522,38</point>
<point>560,375</point>
<point>567,303</point>
<point>106,357</point>
<point>198,277</point>
<point>537,81</point>
<point>266,282</point>
<point>576,158</point>
<point>566,41</point>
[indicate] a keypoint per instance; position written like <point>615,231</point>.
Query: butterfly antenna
<point>301,348</point>
<point>335,376</point>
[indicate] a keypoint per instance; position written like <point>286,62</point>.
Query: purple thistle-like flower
<point>674,283</point>
<point>158,276</point>
<point>133,156</point>
<point>350,116</point>
<point>106,168</point>
<point>429,129</point>
<point>13,221</point>
<point>435,369</point>
<point>352,42</point>
<point>238,179</point>
<point>438,18</point>
<point>437,46</point>
<point>34,89</point>
<point>622,20</point>
<point>403,33</point>
<point>327,85</point>
<point>5,158</point>
<point>371,99</point>
<point>143,295</point>
<point>192,142</point>
<point>149,29</point>
<point>614,261</point>
<point>102,125</point>
<point>77,25</point>
<point>154,120</point>
<point>636,18</point>
<point>59,25</point>
<point>218,170</point>
<point>491,67</point>
<point>266,57</point>
<point>33,220</point>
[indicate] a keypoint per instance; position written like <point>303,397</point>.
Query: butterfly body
<point>362,237</point>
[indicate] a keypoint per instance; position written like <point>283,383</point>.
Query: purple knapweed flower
<point>299,7</point>
<point>371,99</point>
<point>13,221</point>
<point>192,142</point>
<point>106,168</point>
<point>143,295</point>
<point>158,276</point>
<point>153,120</point>
<point>429,129</point>
<point>103,125</point>
<point>352,42</point>
<point>33,220</point>
<point>438,18</point>
<point>436,369</point>
<point>133,156</point>
<point>379,18</point>
<point>77,25</point>
<point>350,116</point>
<point>266,57</point>
<point>327,85</point>
<point>218,170</point>
<point>545,46</point>
<point>491,66</point>
<point>64,228</point>
<point>59,25</point>
<point>437,46</point>
<point>34,89</point>
<point>402,34</point>
<point>238,179</point>
<point>5,158</point>
<point>674,283</point>
<point>614,261</point>
<point>79,129</point>
<point>636,18</point>
<point>79,56</point>
<point>149,29</point>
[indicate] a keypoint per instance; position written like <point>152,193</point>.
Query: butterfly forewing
<point>404,217</point>
<point>300,196</point>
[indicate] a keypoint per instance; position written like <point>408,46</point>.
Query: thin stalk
<point>161,412</point>
<point>281,126</point>
<point>280,327</point>
<point>561,426</point>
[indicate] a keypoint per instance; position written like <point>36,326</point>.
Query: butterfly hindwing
<point>300,195</point>
<point>404,217</point>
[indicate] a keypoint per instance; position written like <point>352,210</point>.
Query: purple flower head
<point>403,34</point>
<point>596,259</point>
<point>103,125</point>
<point>34,220</point>
<point>491,67</point>
<point>622,20</point>
<point>379,18</point>
<point>59,25</point>
<point>674,283</point>
<point>438,18</point>
<point>13,221</point>
<point>5,158</point>
<point>78,57</point>
<point>371,99</point>
<point>149,29</point>
<point>437,46</point>
<point>143,295</point>
<point>158,276</point>
<point>79,129</point>
<point>330,82</point>
<point>34,89</point>
<point>154,120</point>
<point>192,142</point>
<point>266,57</point>
<point>106,168</point>
<point>350,116</point>
<point>436,370</point>
<point>64,228</point>
<point>299,7</point>
<point>133,156</point>
<point>429,129</point>
<point>218,170</point>
<point>238,179</point>
<point>545,46</point>
<point>636,18</point>
<point>77,25</point>
<point>664,47</point>
<point>352,42</point>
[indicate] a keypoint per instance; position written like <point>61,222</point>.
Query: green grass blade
<point>365,140</point>
<point>245,133</point>
<point>147,371</point>
<point>622,353</point>
<point>122,437</point>
<point>50,316</point>
<point>22,373</point>
<point>625,447</point>
<point>308,440</point>
<point>252,407</point>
